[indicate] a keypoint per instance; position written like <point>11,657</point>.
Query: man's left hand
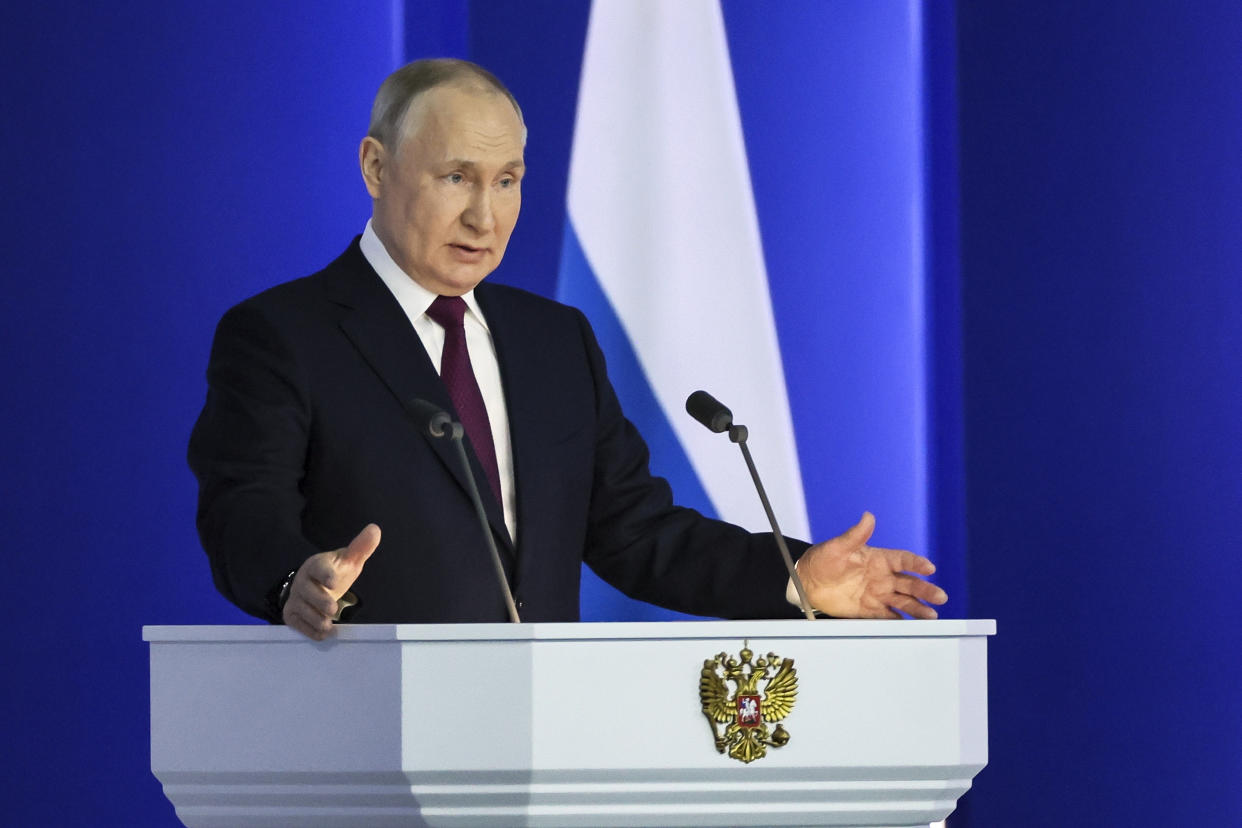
<point>846,578</point>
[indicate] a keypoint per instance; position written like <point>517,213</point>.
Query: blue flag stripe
<point>578,286</point>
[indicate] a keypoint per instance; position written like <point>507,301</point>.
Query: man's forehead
<point>464,108</point>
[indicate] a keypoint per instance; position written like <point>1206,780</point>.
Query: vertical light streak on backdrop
<point>662,252</point>
<point>831,101</point>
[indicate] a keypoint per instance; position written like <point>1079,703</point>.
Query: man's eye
<point>456,178</point>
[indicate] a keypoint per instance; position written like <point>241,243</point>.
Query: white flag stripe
<point>660,196</point>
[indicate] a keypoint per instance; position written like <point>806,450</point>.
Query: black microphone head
<point>431,417</point>
<point>709,411</point>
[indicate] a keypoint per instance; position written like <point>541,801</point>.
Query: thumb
<point>361,547</point>
<point>860,533</point>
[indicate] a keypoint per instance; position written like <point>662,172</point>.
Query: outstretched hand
<point>316,591</point>
<point>846,578</point>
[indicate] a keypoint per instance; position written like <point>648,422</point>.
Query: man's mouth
<point>468,254</point>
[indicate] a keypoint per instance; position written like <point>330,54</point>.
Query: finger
<point>321,571</point>
<point>911,562</point>
<point>903,560</point>
<point>307,622</point>
<point>361,547</point>
<point>295,623</point>
<point>320,580</point>
<point>298,623</point>
<point>315,598</point>
<point>920,589</point>
<point>913,608</point>
<point>859,533</point>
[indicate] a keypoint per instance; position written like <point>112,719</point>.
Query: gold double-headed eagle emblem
<point>729,688</point>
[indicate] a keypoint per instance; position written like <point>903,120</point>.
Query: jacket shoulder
<point>331,285</point>
<point>529,306</point>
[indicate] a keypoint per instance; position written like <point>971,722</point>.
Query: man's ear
<point>372,159</point>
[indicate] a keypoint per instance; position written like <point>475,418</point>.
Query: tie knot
<point>448,311</point>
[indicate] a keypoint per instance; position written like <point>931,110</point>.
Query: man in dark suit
<point>307,433</point>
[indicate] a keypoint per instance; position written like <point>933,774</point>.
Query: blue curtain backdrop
<point>1080,383</point>
<point>1102,285</point>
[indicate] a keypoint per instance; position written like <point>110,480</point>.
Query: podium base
<point>561,725</point>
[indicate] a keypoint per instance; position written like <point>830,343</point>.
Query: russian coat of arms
<point>741,698</point>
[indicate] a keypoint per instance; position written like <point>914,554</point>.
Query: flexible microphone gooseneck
<point>437,423</point>
<point>712,413</point>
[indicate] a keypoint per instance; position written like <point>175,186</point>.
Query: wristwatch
<point>279,596</point>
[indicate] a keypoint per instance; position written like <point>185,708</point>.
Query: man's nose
<point>478,214</point>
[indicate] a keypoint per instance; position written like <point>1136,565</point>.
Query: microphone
<point>712,413</point>
<point>437,423</point>
<point>433,419</point>
<point>709,411</point>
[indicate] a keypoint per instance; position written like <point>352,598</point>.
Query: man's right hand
<point>322,580</point>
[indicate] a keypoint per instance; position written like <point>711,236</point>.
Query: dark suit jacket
<point>306,437</point>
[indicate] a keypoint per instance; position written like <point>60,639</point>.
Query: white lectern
<point>570,724</point>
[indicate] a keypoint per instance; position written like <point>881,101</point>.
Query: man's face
<point>446,201</point>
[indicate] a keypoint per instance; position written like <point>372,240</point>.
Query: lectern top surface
<point>613,631</point>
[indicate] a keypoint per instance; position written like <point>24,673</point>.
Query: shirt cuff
<point>791,594</point>
<point>791,591</point>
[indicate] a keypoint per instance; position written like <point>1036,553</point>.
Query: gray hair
<point>398,91</point>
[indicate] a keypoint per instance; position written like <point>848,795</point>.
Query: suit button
<point>521,604</point>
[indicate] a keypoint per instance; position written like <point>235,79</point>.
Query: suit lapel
<point>380,330</point>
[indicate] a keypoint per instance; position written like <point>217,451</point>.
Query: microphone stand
<point>439,425</point>
<point>455,434</point>
<point>738,434</point>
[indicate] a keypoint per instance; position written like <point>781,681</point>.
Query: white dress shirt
<point>414,300</point>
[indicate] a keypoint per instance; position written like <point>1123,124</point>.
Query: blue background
<point>1084,246</point>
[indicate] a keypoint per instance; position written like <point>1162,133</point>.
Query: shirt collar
<point>413,297</point>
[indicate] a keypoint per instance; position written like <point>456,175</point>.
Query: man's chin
<point>461,280</point>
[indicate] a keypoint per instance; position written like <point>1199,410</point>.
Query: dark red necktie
<point>463,388</point>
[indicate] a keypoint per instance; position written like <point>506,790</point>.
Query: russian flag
<point>662,252</point>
